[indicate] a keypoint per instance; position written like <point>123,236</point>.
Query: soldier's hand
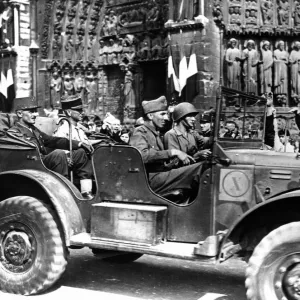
<point>202,155</point>
<point>87,148</point>
<point>186,159</point>
<point>70,162</point>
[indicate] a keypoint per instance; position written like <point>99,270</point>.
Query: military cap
<point>158,104</point>
<point>205,118</point>
<point>25,103</point>
<point>71,102</point>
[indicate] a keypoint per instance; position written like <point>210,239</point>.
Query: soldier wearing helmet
<point>163,174</point>
<point>181,136</point>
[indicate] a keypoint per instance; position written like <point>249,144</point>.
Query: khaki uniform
<point>162,178</point>
<point>57,159</point>
<point>190,143</point>
<point>78,133</point>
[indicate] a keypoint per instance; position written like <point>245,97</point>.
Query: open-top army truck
<point>248,203</point>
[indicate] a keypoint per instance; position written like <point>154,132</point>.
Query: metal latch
<point>32,157</point>
<point>133,170</point>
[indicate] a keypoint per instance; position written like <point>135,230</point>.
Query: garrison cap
<point>25,103</point>
<point>158,104</point>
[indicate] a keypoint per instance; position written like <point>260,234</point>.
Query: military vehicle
<point>248,204</point>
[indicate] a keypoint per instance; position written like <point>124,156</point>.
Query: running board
<point>167,249</point>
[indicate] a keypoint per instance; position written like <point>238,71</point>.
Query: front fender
<point>58,193</point>
<point>288,195</point>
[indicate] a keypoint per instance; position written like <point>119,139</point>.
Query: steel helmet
<point>183,109</point>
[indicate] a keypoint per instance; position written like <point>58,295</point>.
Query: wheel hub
<point>292,282</point>
<point>17,249</point>
<point>287,278</point>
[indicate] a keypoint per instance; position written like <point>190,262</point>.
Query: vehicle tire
<point>32,253</point>
<point>273,270</point>
<point>123,258</point>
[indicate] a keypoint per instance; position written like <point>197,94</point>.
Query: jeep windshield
<point>241,119</point>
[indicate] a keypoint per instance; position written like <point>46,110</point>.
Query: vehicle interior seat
<point>178,196</point>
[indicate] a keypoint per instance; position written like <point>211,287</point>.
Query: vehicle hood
<point>263,158</point>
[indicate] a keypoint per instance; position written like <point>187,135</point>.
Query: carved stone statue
<point>129,93</point>
<point>295,70</point>
<point>233,64</point>
<point>102,53</point>
<point>91,47</point>
<point>283,12</point>
<point>91,88</point>
<point>79,47</point>
<point>55,87</point>
<point>116,50</point>
<point>69,42</point>
<point>156,50</point>
<point>266,68</point>
<point>144,52</point>
<point>111,56</point>
<point>120,49</point>
<point>79,86</point>
<point>281,60</point>
<point>112,24</point>
<point>250,57</point>
<point>68,85</point>
<point>56,46</point>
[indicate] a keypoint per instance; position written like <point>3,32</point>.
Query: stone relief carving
<point>283,8</point>
<point>266,7</point>
<point>45,40</point>
<point>296,13</point>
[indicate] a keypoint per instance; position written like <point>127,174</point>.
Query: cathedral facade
<point>116,53</point>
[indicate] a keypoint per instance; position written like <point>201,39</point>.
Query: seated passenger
<point>205,125</point>
<point>163,178</point>
<point>56,160</point>
<point>231,130</point>
<point>285,140</point>
<point>111,127</point>
<point>181,136</point>
<point>73,110</point>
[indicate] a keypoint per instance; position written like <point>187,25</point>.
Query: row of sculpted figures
<point>261,67</point>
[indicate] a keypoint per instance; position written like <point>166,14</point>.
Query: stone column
<point>34,48</point>
<point>171,13</point>
<point>16,13</point>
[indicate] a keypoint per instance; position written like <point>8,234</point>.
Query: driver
<point>181,135</point>
<point>56,160</point>
<point>163,178</point>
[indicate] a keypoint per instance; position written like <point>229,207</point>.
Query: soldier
<point>181,135</point>
<point>205,125</point>
<point>73,110</point>
<point>146,138</point>
<point>57,159</point>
